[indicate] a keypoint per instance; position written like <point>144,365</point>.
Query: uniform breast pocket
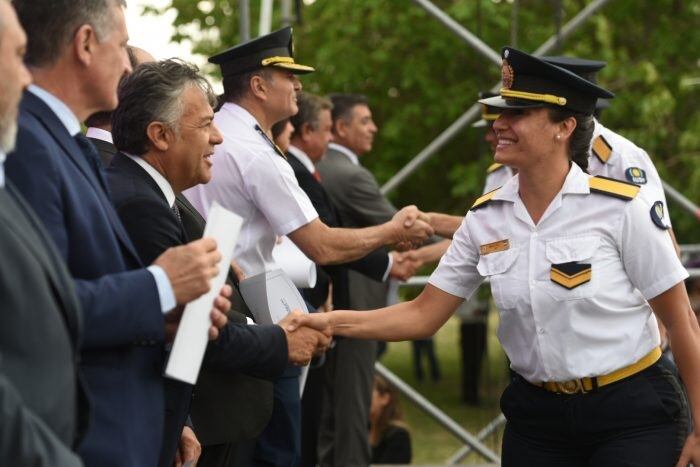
<point>498,268</point>
<point>572,267</point>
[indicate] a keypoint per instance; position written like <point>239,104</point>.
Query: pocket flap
<point>496,263</point>
<point>567,250</point>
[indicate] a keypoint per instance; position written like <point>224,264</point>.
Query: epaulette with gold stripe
<point>493,167</point>
<point>601,148</point>
<point>483,200</point>
<point>612,187</point>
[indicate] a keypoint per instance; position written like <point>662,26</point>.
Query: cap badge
<point>507,73</point>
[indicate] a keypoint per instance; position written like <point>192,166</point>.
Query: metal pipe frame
<point>486,431</point>
<point>476,43</point>
<point>441,417</point>
<point>470,115</point>
<point>678,197</point>
<point>244,20</point>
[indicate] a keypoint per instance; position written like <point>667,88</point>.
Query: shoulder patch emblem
<point>483,200</point>
<point>657,213</point>
<point>636,175</point>
<point>493,167</point>
<point>601,149</point>
<point>611,187</point>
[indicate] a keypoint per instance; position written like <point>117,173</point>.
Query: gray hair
<point>310,107</point>
<point>51,24</point>
<point>153,93</point>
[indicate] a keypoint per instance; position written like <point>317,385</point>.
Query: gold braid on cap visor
<point>273,60</point>
<point>531,96</point>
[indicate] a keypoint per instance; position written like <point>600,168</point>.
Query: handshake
<point>304,342</point>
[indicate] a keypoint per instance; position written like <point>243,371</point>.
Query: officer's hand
<point>691,451</point>
<point>190,267</point>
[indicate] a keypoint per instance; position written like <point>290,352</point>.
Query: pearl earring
<point>558,136</point>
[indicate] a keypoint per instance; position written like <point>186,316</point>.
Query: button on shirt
<point>626,155</point>
<point>70,121</point>
<point>551,333</point>
<point>252,180</point>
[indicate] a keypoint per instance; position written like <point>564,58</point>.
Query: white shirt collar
<point>64,114</point>
<point>303,158</point>
<point>162,183</point>
<point>2,169</point>
<point>342,149</point>
<point>240,112</point>
<point>99,133</point>
<point>576,182</point>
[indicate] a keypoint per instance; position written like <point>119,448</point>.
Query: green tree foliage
<point>420,77</point>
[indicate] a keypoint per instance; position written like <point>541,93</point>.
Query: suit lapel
<point>16,214</point>
<point>53,125</point>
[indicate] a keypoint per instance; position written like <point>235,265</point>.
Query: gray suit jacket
<point>360,203</point>
<point>39,387</point>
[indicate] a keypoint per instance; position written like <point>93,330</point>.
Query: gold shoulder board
<point>612,187</point>
<point>601,148</point>
<point>483,200</point>
<point>493,167</point>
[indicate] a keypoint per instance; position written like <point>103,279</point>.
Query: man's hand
<point>240,275</point>
<point>404,265</point>
<point>219,316</point>
<point>189,448</point>
<point>190,267</point>
<point>412,227</point>
<point>304,342</point>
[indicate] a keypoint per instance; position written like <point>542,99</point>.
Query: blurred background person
<point>388,432</point>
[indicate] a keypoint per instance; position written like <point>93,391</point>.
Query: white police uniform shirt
<point>251,179</point>
<point>496,176</point>
<point>551,333</point>
<point>617,157</point>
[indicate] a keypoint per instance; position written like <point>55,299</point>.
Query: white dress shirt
<point>551,333</point>
<point>626,156</point>
<point>70,121</point>
<point>498,178</point>
<point>251,179</point>
<point>99,133</point>
<point>157,177</point>
<point>342,149</point>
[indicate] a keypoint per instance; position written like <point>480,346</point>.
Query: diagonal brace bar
<point>437,414</point>
<point>470,115</point>
<point>479,45</point>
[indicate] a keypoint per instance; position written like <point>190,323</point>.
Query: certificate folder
<point>271,296</point>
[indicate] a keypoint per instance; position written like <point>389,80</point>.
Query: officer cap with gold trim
<point>531,82</point>
<point>271,50</point>
<point>585,68</point>
<point>489,114</point>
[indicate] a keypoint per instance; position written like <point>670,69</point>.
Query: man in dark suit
<point>99,125</point>
<point>312,133</point>
<point>355,193</point>
<point>125,305</point>
<point>145,180</point>
<point>39,309</point>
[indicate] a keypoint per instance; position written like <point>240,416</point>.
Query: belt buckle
<point>573,386</point>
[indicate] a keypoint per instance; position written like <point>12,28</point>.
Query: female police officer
<point>576,267</point>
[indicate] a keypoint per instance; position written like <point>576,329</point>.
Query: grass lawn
<point>432,444</point>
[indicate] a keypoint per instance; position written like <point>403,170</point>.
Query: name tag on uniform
<point>488,248</point>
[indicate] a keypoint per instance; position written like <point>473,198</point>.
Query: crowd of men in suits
<point>102,247</point>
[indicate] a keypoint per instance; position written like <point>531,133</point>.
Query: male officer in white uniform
<point>251,176</point>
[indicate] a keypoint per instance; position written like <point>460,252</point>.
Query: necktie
<point>92,157</point>
<point>317,176</point>
<point>176,211</point>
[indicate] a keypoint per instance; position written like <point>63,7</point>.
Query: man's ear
<point>83,44</point>
<point>340,128</point>
<point>258,87</point>
<point>306,131</point>
<point>160,135</point>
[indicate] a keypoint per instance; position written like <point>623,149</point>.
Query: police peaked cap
<point>489,114</point>
<point>271,50</point>
<point>531,82</point>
